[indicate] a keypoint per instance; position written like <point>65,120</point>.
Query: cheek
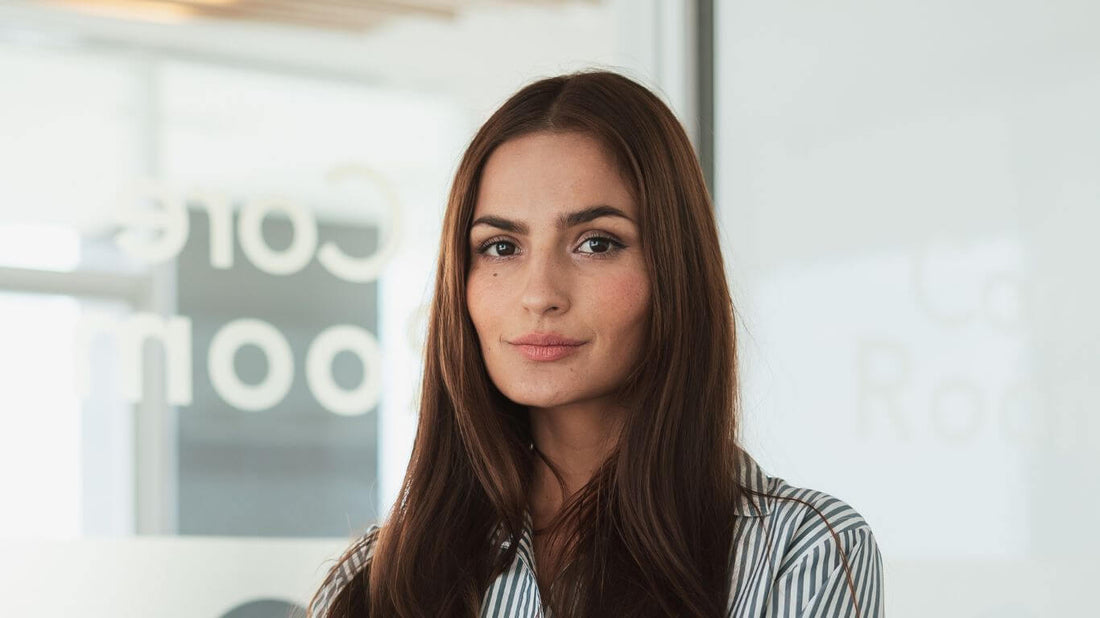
<point>627,303</point>
<point>479,303</point>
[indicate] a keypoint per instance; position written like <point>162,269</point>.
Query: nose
<point>546,288</point>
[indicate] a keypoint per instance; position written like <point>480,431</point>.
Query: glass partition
<point>218,236</point>
<point>908,192</point>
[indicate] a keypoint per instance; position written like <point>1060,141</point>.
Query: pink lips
<point>546,346</point>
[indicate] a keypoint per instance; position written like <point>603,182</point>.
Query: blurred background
<point>219,221</point>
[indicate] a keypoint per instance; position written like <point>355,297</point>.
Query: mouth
<point>546,339</point>
<point>547,353</point>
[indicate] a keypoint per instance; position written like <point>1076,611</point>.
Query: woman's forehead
<point>543,174</point>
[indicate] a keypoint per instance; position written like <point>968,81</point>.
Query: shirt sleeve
<point>817,586</point>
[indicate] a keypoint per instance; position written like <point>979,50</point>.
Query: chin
<point>535,398</point>
<point>535,401</point>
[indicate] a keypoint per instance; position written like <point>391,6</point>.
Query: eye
<point>601,245</point>
<point>498,244</point>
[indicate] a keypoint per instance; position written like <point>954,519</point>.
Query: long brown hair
<point>651,533</point>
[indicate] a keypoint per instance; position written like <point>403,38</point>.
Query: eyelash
<point>616,246</point>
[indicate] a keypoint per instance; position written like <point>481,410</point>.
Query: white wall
<point>908,195</point>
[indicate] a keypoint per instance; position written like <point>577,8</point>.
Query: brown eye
<point>503,247</point>
<point>601,245</point>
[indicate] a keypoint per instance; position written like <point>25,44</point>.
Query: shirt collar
<point>525,551</point>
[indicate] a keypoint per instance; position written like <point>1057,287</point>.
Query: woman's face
<point>555,251</point>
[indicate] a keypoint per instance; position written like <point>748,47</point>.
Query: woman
<point>577,449</point>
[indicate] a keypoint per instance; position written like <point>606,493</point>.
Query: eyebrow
<point>565,221</point>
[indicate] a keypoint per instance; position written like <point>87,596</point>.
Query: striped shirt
<point>787,564</point>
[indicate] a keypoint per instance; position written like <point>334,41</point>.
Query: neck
<point>577,438</point>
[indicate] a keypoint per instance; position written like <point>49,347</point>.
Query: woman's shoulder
<point>353,560</point>
<point>816,509</point>
<point>780,502</point>
<point>821,546</point>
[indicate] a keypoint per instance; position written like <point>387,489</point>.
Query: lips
<point>546,346</point>
<point>547,352</point>
<point>546,339</point>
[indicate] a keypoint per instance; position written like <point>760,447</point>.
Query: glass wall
<point>908,192</point>
<point>218,238</point>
